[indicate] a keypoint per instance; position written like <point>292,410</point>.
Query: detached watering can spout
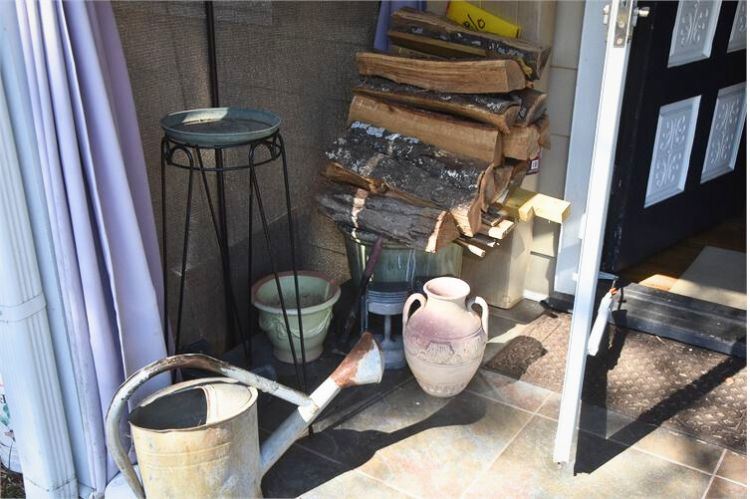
<point>363,366</point>
<point>200,438</point>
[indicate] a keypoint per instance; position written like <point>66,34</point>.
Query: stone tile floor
<point>493,440</point>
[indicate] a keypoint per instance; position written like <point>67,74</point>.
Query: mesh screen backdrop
<point>295,59</point>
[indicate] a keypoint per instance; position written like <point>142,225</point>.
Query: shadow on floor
<point>648,420</point>
<point>353,448</point>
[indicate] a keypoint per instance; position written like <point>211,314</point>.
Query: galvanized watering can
<point>199,438</point>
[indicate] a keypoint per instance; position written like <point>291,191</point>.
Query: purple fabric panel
<point>111,53</point>
<point>101,328</point>
<point>134,297</point>
<point>387,8</point>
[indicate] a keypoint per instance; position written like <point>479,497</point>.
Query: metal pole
<point>221,204</point>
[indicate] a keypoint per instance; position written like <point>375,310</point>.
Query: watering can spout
<point>362,366</point>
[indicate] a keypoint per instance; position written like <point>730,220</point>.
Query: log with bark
<point>378,160</point>
<point>462,137</point>
<point>533,105</point>
<point>499,110</point>
<point>419,227</point>
<point>463,76</point>
<point>424,24</point>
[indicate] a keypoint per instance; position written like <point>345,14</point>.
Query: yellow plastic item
<point>477,19</point>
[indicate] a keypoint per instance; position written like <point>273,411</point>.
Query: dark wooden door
<point>680,160</point>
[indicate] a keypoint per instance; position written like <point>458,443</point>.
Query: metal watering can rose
<point>199,438</point>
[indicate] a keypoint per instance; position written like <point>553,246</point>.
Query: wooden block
<point>532,57</point>
<point>525,204</point>
<point>465,138</point>
<point>463,77</point>
<point>499,110</point>
<point>498,231</point>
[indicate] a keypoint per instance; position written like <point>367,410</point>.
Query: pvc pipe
<point>27,359</point>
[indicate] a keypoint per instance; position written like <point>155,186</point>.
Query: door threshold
<point>688,320</point>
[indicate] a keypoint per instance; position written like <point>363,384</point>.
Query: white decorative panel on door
<point>693,31</point>
<point>738,36</point>
<point>726,132</point>
<point>671,155</point>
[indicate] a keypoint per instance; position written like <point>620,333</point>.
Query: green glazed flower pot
<point>318,295</point>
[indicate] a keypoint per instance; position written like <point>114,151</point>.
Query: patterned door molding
<point>726,132</point>
<point>738,36</point>
<point>670,158</point>
<point>693,31</point>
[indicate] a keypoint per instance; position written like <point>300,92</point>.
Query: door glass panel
<point>726,132</point>
<point>738,37</point>
<point>693,31</point>
<point>672,144</point>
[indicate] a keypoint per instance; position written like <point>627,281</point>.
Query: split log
<point>531,56</point>
<point>499,110</point>
<point>473,248</point>
<point>436,47</point>
<point>462,77</point>
<point>484,240</point>
<point>525,142</point>
<point>373,158</point>
<point>533,105</point>
<point>419,227</point>
<point>407,52</point>
<point>462,137</point>
<point>508,177</point>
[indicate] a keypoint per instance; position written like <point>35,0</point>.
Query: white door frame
<point>617,50</point>
<point>582,130</point>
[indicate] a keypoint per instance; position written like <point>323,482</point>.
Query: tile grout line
<point>505,447</point>
<point>713,475</point>
<point>641,450</point>
<point>388,485</point>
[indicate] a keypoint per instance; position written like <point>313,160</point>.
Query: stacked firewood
<point>441,132</point>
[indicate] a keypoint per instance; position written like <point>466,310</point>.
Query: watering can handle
<point>119,402</point>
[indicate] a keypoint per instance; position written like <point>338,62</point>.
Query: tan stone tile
<point>354,484</point>
<point>724,489</point>
<point>433,447</point>
<point>603,469</point>
<point>507,390</point>
<point>734,467</point>
<point>660,441</point>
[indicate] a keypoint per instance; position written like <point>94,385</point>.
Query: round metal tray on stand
<point>187,136</point>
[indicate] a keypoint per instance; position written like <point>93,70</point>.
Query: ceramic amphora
<point>444,339</point>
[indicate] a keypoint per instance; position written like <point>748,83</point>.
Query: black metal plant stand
<point>188,136</point>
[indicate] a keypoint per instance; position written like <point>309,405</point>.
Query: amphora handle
<point>407,306</point>
<point>478,300</point>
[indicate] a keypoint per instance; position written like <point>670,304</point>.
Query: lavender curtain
<point>98,201</point>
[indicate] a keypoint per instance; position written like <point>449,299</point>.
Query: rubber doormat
<point>655,380</point>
